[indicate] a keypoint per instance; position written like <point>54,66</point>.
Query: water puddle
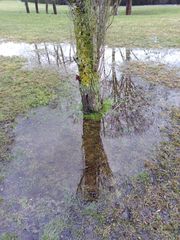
<point>61,158</point>
<point>57,54</point>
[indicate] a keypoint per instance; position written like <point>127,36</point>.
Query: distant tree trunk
<point>128,7</point>
<point>47,6</point>
<point>54,7</point>
<point>27,6</point>
<point>36,6</point>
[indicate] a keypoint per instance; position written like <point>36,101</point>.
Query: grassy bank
<point>21,90</point>
<point>149,26</point>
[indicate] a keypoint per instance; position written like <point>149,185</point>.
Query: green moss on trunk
<point>87,59</point>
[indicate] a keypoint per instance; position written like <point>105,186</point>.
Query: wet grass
<point>156,26</point>
<point>151,206</point>
<point>153,202</point>
<point>155,73</point>
<point>21,90</point>
<point>8,237</point>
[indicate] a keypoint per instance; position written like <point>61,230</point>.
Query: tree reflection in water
<point>54,54</point>
<point>128,116</point>
<point>128,113</point>
<point>97,175</point>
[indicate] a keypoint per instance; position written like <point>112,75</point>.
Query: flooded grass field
<point>112,175</point>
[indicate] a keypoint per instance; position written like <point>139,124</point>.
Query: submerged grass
<point>21,90</point>
<point>8,236</point>
<point>155,73</point>
<point>149,26</point>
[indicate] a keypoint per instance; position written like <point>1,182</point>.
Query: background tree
<point>27,6</point>
<point>54,6</point>
<point>47,2</point>
<point>90,18</point>
<point>128,7</point>
<point>36,6</point>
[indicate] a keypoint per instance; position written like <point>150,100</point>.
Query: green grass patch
<point>149,26</point>
<point>5,141</point>
<point>8,236</point>
<point>143,177</point>
<point>21,90</point>
<point>51,231</point>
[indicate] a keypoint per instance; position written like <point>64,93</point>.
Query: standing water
<point>66,165</point>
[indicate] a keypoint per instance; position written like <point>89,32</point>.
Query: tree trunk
<point>47,6</point>
<point>27,6</point>
<point>128,7</point>
<point>87,63</point>
<point>90,20</point>
<point>116,7</point>
<point>54,7</point>
<point>90,99</point>
<point>36,6</point>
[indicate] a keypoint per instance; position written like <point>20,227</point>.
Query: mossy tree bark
<point>89,18</point>
<point>87,65</point>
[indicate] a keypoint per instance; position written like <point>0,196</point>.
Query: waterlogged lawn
<point>21,90</point>
<point>148,201</point>
<point>156,26</point>
<point>155,73</point>
<point>147,205</point>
